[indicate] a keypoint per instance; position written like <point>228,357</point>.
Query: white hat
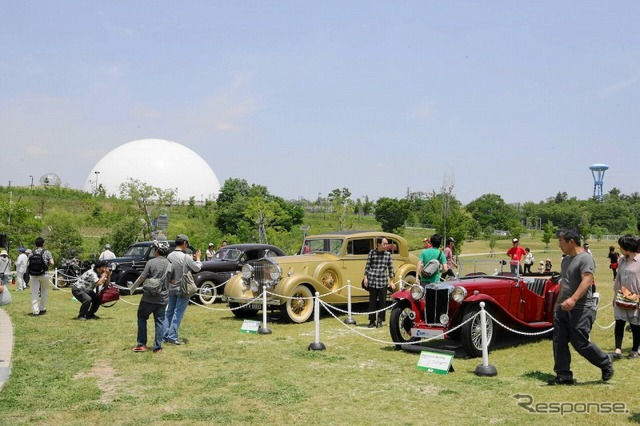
<point>4,253</point>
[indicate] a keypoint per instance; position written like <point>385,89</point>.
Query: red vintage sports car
<point>519,302</point>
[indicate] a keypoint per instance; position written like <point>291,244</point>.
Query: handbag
<point>188,287</point>
<point>626,300</point>
<point>108,294</point>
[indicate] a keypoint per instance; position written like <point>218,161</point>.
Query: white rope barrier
<point>438,337</point>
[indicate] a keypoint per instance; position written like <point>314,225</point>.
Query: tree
<point>150,200</point>
<point>392,214</point>
<point>491,210</point>
<point>548,235</point>
<point>342,206</point>
<point>64,234</point>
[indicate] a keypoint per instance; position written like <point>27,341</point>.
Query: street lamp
<point>31,182</point>
<point>97,173</point>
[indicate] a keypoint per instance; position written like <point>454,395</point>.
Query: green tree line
<point>243,212</point>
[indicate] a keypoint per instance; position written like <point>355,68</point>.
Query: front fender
<point>206,275</point>
<point>406,295</point>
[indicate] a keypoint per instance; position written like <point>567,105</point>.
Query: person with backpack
<point>38,268</point>
<point>432,256</point>
<point>155,279</point>
<point>84,289</point>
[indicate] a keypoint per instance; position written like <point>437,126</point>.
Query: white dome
<point>159,163</point>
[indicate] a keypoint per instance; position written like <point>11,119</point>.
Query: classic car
<point>328,262</point>
<point>129,267</point>
<point>227,261</point>
<point>523,302</point>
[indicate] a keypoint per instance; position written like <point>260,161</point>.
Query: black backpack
<point>37,265</point>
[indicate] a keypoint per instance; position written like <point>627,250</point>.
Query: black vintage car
<point>131,264</point>
<point>227,262</point>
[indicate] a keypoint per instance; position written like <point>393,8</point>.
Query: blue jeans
<point>145,309</point>
<point>175,311</point>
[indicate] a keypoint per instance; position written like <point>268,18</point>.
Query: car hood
<point>220,265</point>
<point>305,258</point>
<point>125,259</point>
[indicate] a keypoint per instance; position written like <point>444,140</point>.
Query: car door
<point>354,261</point>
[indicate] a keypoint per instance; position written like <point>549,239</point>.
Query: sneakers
<point>607,372</point>
<point>140,348</point>
<point>172,342</point>
<point>379,324</point>
<point>632,355</point>
<point>43,312</point>
<point>561,381</point>
<point>81,318</point>
<point>94,317</point>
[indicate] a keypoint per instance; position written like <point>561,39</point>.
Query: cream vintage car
<point>327,263</point>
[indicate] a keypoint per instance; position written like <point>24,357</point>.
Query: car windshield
<point>136,251</point>
<point>228,254</point>
<point>319,245</point>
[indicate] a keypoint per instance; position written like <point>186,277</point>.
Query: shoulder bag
<point>188,287</point>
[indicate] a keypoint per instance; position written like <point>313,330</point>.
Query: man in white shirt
<point>107,254</point>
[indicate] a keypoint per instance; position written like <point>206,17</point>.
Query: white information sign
<point>434,362</point>
<point>249,326</point>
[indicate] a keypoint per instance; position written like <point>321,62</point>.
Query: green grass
<point>71,373</point>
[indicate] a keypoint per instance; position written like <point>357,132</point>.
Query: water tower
<point>597,170</point>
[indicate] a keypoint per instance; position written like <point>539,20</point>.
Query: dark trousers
<point>145,309</point>
<point>574,327</point>
<point>89,302</point>
<point>377,302</point>
<point>619,334</point>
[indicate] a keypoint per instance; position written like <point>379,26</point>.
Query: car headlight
<point>458,294</point>
<point>247,271</point>
<point>254,286</point>
<point>417,292</point>
<point>444,319</point>
<point>275,272</point>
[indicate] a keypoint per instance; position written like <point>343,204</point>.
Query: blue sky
<point>516,98</point>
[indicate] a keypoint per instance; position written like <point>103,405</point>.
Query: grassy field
<point>71,373</point>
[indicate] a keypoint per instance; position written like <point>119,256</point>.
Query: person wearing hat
<point>177,304</point>
<point>451,263</point>
<point>427,242</point>
<point>107,254</point>
<point>585,246</point>
<point>5,267</point>
<point>516,253</point>
<point>211,251</point>
<point>154,304</point>
<point>21,269</point>
<point>84,289</point>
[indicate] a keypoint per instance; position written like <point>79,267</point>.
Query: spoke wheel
<point>299,307</point>
<point>400,323</point>
<point>471,332</point>
<point>329,279</point>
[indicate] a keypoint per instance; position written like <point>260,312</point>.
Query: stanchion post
<point>349,319</point>
<point>264,329</point>
<point>485,369</point>
<point>317,345</point>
